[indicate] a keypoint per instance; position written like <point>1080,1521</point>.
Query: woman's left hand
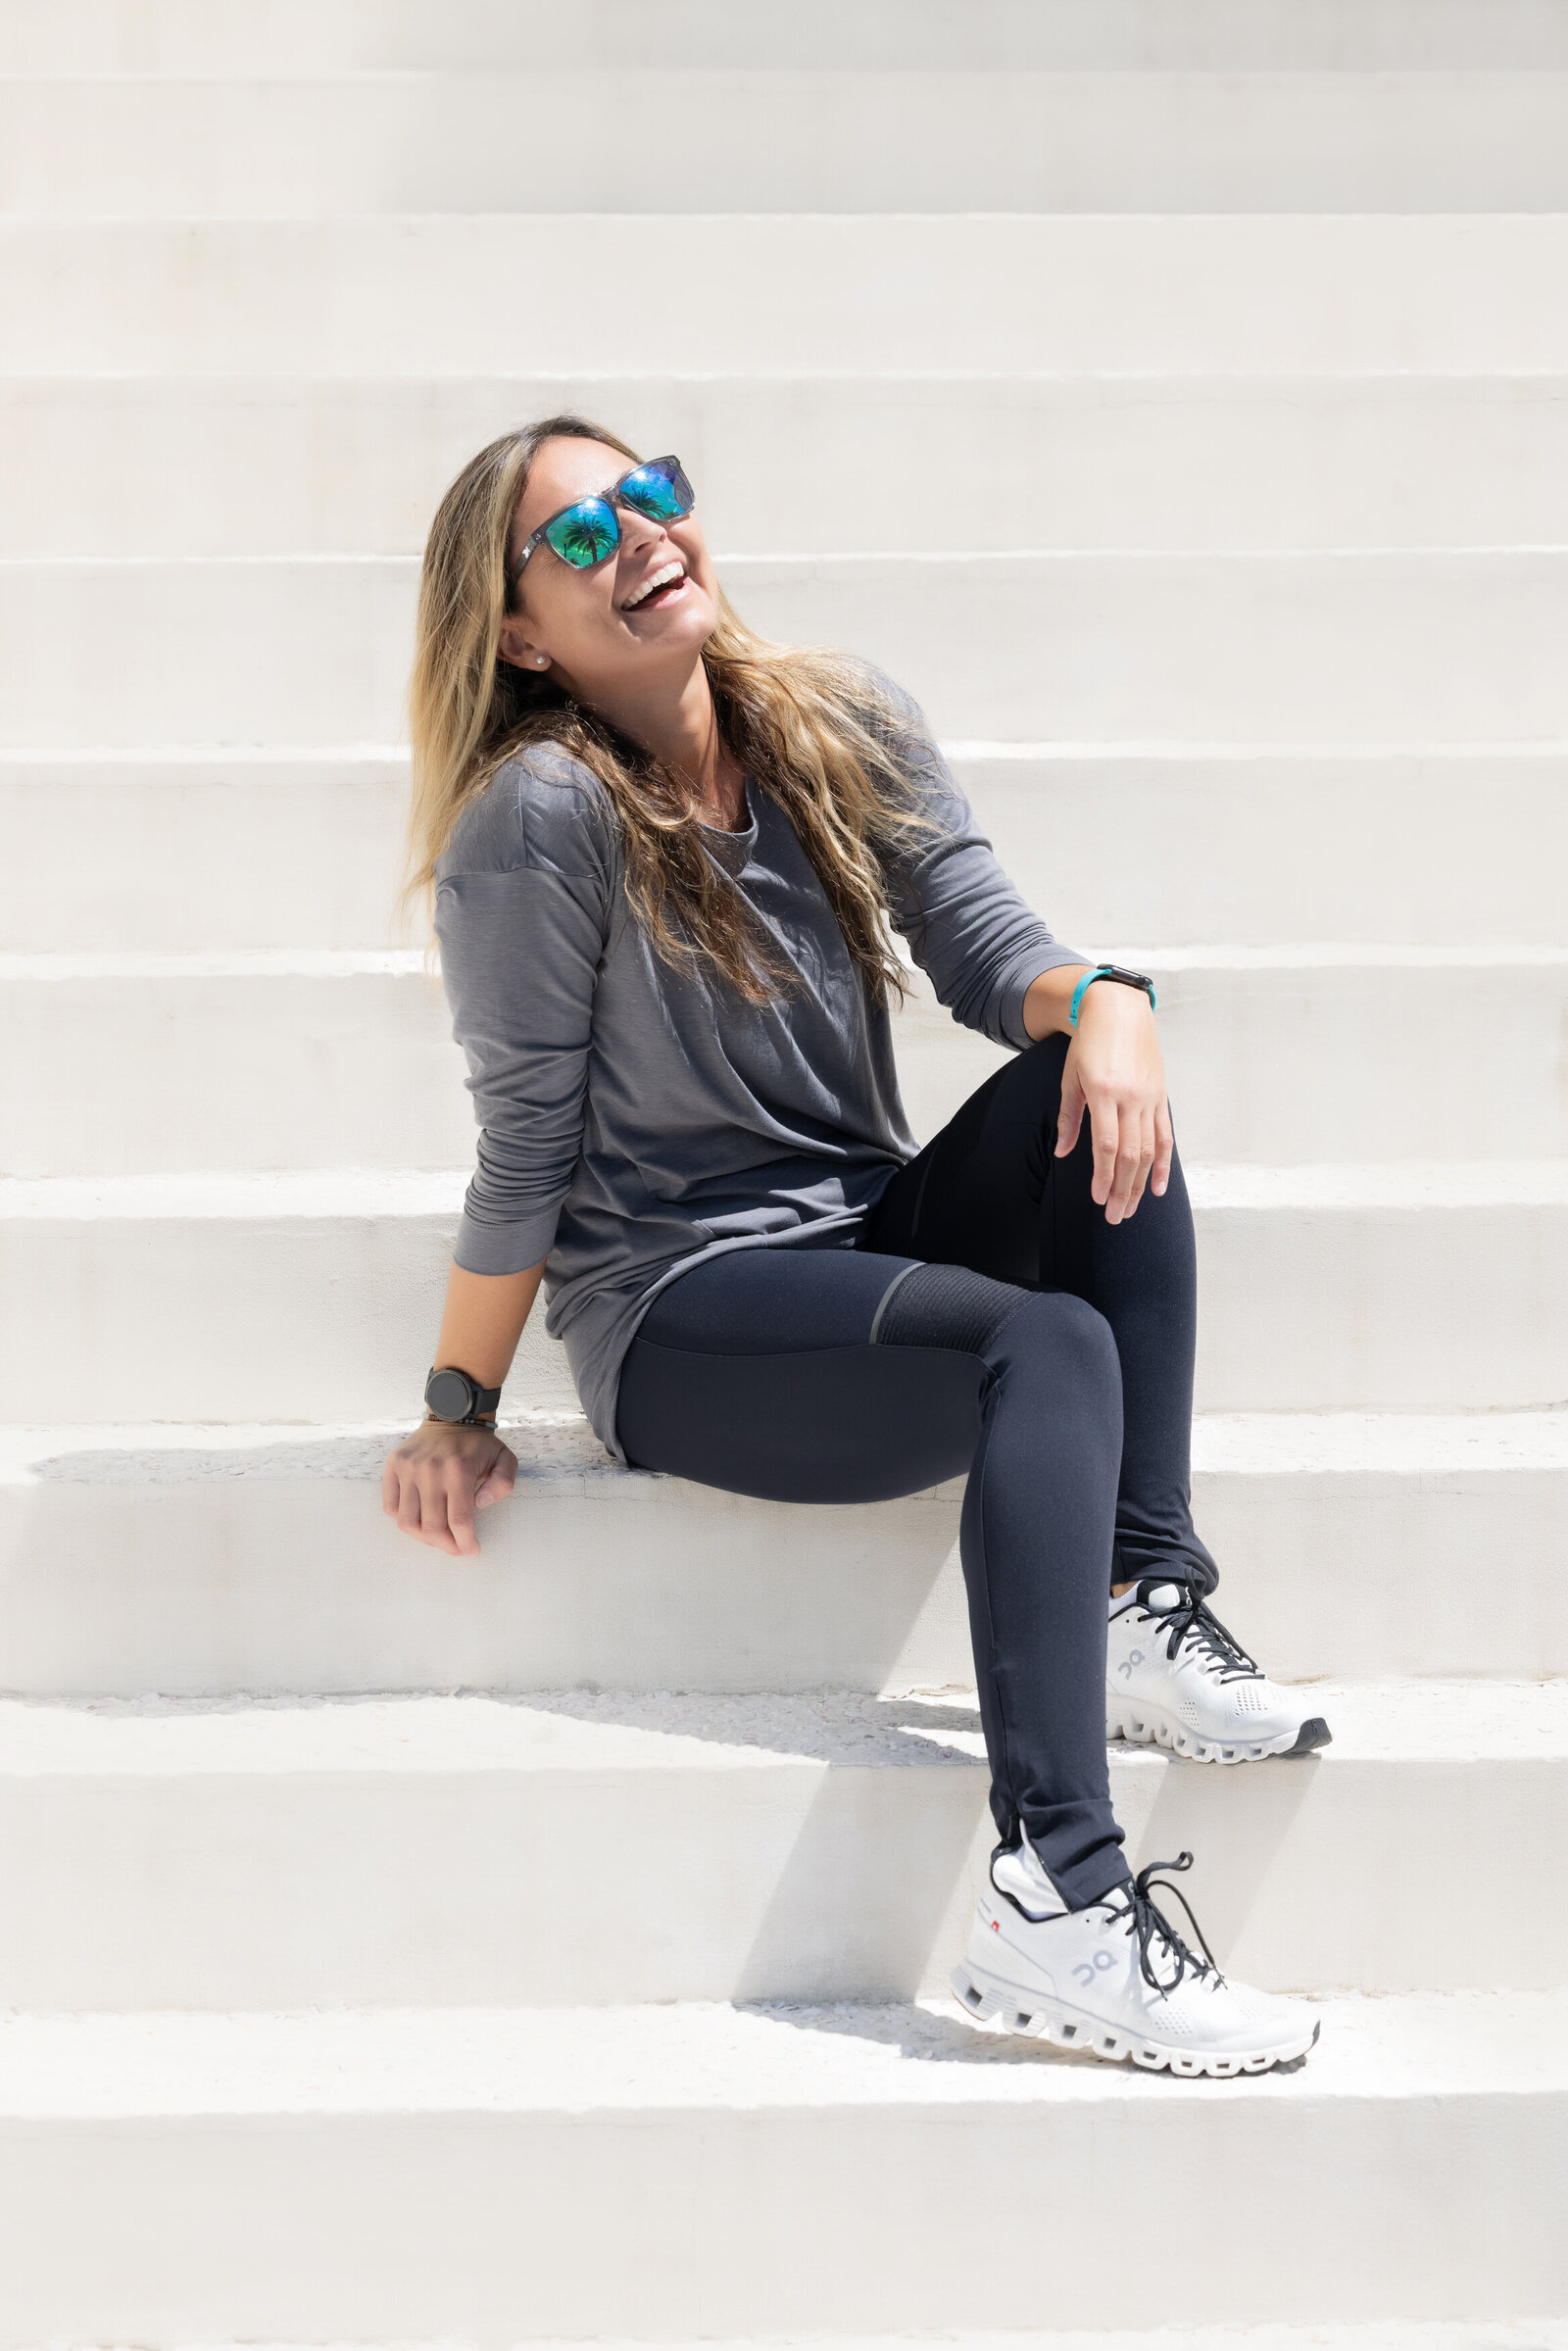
<point>1116,1071</point>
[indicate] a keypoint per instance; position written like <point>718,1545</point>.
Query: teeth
<point>660,579</point>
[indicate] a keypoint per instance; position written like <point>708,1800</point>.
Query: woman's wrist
<point>1054,1004</point>
<point>1048,1000</point>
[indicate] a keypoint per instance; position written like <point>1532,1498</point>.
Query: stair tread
<point>1376,2334</point>
<point>351,36</point>
<point>419,1734</point>
<point>716,2056</point>
<point>559,1444</point>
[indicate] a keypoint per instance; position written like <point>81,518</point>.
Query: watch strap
<point>1109,971</point>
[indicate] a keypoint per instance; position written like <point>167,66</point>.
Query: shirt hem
<point>842,1220</point>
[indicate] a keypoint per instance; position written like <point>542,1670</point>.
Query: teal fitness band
<point>1109,971</point>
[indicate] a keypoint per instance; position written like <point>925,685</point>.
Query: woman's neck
<point>682,732</point>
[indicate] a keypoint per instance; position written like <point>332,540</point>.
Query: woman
<point>665,858</point>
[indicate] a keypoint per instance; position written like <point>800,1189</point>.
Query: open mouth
<point>660,587</point>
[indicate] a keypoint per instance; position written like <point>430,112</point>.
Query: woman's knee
<point>1057,1336</point>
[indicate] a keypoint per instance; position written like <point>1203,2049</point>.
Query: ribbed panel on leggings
<point>946,1305</point>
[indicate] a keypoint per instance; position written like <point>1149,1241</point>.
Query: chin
<point>689,623</point>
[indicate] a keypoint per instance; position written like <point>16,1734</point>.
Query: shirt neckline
<point>732,848</point>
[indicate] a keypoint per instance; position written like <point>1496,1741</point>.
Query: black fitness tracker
<point>1128,979</point>
<point>450,1395</point>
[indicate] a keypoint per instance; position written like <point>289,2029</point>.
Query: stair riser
<point>183,468</point>
<point>486,2225</point>
<point>778,141</point>
<point>212,854</point>
<point>1450,849</point>
<point>978,294</point>
<point>757,1878</point>
<point>317,1317</point>
<point>241,1577</point>
<point>99,1077</point>
<point>1402,648</point>
<point>296,36</point>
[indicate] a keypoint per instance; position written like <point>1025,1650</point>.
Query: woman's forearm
<point>482,1321</point>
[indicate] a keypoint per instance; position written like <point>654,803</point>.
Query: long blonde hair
<point>805,726</point>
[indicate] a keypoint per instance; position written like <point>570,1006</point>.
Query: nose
<point>638,532</point>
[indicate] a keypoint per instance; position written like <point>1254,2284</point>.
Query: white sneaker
<point>1116,1979</point>
<point>1175,1678</point>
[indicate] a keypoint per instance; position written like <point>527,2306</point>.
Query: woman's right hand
<point>438,1477</point>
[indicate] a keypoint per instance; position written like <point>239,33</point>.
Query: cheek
<point>688,539</point>
<point>573,607</point>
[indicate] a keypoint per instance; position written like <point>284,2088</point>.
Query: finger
<point>1145,1157</point>
<point>409,1504</point>
<point>433,1528</point>
<point>459,1501</point>
<point>1164,1147</point>
<point>390,1484</point>
<point>1070,1115</point>
<point>1106,1127</point>
<point>1119,1207</point>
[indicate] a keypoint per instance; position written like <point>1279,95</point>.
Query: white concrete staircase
<point>553,1945</point>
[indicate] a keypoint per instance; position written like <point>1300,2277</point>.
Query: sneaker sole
<point>1042,2018</point>
<point>1147,1726</point>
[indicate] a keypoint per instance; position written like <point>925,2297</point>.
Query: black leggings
<point>986,1318</point>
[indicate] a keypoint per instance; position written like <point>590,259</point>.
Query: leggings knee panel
<point>946,1305</point>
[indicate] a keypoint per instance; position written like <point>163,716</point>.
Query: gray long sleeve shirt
<point>635,1119</point>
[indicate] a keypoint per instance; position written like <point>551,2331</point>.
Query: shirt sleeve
<point>966,926</point>
<point>522,904</point>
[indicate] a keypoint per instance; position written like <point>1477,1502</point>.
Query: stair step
<point>1115,842</point>
<point>479,1848</point>
<point>1409,1285</point>
<point>1457,645</point>
<point>264,465</point>
<point>317,1060</point>
<point>780,140</point>
<point>198,1560</point>
<point>990,293</point>
<point>293,36</point>
<point>445,2176</point>
<point>1435,2334</point>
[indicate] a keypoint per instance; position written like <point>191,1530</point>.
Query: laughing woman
<point>666,857</point>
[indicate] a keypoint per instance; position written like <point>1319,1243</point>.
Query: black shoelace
<point>1147,1923</point>
<point>1198,1621</point>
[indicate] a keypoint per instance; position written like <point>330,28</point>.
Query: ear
<point>516,646</point>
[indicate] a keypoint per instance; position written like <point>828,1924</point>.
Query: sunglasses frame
<point>610,497</point>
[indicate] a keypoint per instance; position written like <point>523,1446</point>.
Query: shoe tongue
<point>1161,1598</point>
<point>1022,1874</point>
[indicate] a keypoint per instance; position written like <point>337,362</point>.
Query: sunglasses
<point>583,534</point>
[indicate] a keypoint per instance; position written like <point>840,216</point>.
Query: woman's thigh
<point>988,1192</point>
<point>761,1372</point>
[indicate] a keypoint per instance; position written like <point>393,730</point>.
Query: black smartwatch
<point>450,1395</point>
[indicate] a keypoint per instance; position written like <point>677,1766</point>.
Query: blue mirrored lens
<point>661,491</point>
<point>584,534</point>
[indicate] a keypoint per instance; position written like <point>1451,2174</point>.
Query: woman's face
<point>604,632</point>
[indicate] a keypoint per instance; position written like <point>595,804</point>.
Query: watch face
<point>448,1394</point>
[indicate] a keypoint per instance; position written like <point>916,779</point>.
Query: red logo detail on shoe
<point>995,1926</point>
